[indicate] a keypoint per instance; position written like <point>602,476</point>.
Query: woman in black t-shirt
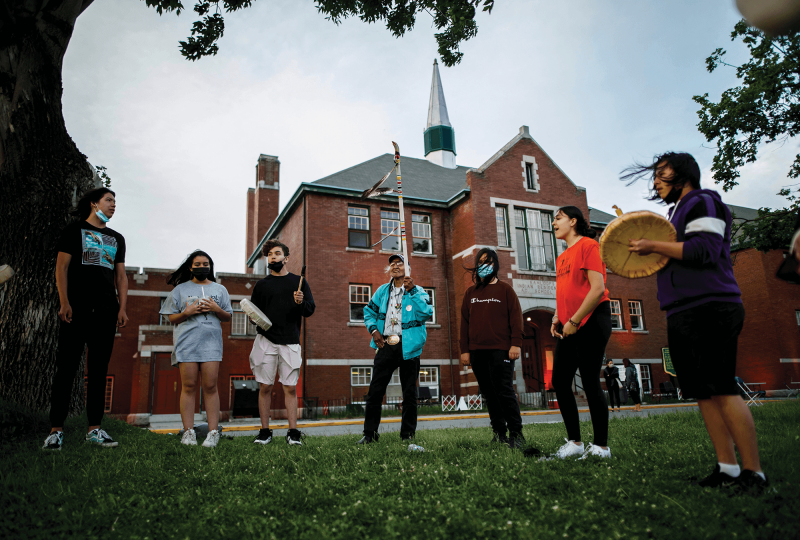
<point>93,292</point>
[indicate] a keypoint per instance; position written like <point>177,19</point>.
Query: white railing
<point>464,403</point>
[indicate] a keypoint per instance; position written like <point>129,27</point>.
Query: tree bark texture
<point>42,175</point>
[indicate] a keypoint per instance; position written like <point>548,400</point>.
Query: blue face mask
<point>485,270</point>
<point>101,216</point>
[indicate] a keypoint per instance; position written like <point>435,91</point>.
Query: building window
<point>421,233</point>
<point>616,315</point>
<point>109,392</point>
<point>501,218</point>
<point>390,229</point>
<point>644,372</point>
<point>797,316</point>
<point>637,321</point>
<point>429,376</point>
<point>535,240</point>
<point>358,227</point>
<point>359,297</point>
<point>231,390</point>
<point>530,176</point>
<point>360,376</point>
<point>241,325</point>
<point>432,295</point>
<point>163,320</point>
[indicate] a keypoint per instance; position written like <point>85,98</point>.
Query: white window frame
<point>163,320</point>
<point>635,310</point>
<point>357,218</point>
<point>501,222</point>
<point>231,389</point>
<point>534,239</point>
<point>418,229</point>
<point>388,224</point>
<point>646,375</point>
<point>239,318</point>
<point>616,314</point>
<point>357,289</point>
<point>529,164</point>
<point>432,294</point>
<point>360,376</point>
<point>430,379</point>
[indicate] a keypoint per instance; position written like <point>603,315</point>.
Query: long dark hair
<point>491,258</point>
<point>84,208</point>
<point>683,165</point>
<point>582,226</point>
<point>184,271</point>
<point>626,362</point>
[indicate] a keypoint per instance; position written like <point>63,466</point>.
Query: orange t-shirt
<point>572,283</point>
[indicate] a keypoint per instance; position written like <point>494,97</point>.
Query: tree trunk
<point>42,174</point>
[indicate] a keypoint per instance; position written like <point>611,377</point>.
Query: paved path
<point>250,426</point>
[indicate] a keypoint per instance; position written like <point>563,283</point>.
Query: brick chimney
<point>262,202</point>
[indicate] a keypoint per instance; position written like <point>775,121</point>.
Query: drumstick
<point>302,275</point>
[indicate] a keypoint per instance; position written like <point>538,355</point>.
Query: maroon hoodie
<point>491,318</point>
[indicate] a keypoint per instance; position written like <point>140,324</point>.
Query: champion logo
<point>486,300</point>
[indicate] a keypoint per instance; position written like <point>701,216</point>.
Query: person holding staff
<point>285,299</point>
<point>705,314</point>
<point>395,318</point>
<point>197,306</point>
<point>611,375</point>
<point>582,324</point>
<point>491,337</point>
<point>93,292</point>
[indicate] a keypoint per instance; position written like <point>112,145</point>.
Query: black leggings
<point>94,327</point>
<point>495,374</point>
<point>613,396</point>
<point>584,350</point>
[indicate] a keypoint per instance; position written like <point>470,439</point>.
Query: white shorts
<point>268,359</point>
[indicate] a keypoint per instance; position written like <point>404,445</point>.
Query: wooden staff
<point>302,275</point>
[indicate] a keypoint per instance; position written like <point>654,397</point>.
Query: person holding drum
<point>284,298</point>
<point>705,314</point>
<point>395,318</point>
<point>197,306</point>
<point>582,324</point>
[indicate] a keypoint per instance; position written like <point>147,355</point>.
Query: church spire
<point>440,140</point>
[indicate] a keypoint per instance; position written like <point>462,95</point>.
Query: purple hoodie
<point>705,274</point>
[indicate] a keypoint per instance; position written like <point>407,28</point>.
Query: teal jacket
<point>414,332</point>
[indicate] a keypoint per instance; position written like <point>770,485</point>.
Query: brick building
<point>451,212</point>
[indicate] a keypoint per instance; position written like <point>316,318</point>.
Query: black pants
<point>613,396</point>
<point>495,374</point>
<point>634,394</point>
<point>584,350</point>
<point>387,360</point>
<point>94,327</point>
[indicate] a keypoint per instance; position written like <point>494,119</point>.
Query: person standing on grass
<point>395,318</point>
<point>197,306</point>
<point>93,292</point>
<point>611,375</point>
<point>582,324</point>
<point>277,350</point>
<point>632,384</point>
<point>705,314</point>
<point>491,337</point>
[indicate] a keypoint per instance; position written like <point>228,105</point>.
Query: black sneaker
<point>407,437</point>
<point>498,438</point>
<point>264,436</point>
<point>715,479</point>
<point>368,438</point>
<point>750,482</point>
<point>54,441</point>
<point>293,437</point>
<point>516,441</point>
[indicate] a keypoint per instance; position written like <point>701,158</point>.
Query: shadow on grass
<point>152,487</point>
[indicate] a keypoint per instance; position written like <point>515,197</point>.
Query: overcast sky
<point>600,84</point>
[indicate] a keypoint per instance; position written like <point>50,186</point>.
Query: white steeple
<point>440,141</point>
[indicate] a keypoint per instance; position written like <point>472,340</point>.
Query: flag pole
<point>402,213</point>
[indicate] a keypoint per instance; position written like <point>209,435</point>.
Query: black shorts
<point>703,343</point>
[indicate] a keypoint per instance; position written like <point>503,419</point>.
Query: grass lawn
<point>152,487</point>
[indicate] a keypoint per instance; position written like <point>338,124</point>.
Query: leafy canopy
<point>765,108</point>
<point>455,20</point>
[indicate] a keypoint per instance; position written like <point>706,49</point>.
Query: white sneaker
<point>211,439</point>
<point>189,438</point>
<point>598,451</point>
<point>568,450</point>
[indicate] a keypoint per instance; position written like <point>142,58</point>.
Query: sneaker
<point>715,479</point>
<point>101,438</point>
<point>750,482</point>
<point>211,439</point>
<point>264,436</point>
<point>568,450</point>
<point>368,438</point>
<point>516,441</point>
<point>598,451</point>
<point>498,438</point>
<point>189,438</point>
<point>54,441</point>
<point>293,437</point>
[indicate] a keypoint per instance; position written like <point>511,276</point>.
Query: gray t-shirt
<point>199,338</point>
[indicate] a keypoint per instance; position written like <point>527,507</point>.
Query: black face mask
<point>201,273</point>
<point>276,266</point>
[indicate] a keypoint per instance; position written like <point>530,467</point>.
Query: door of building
<point>166,385</point>
<point>531,365</point>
